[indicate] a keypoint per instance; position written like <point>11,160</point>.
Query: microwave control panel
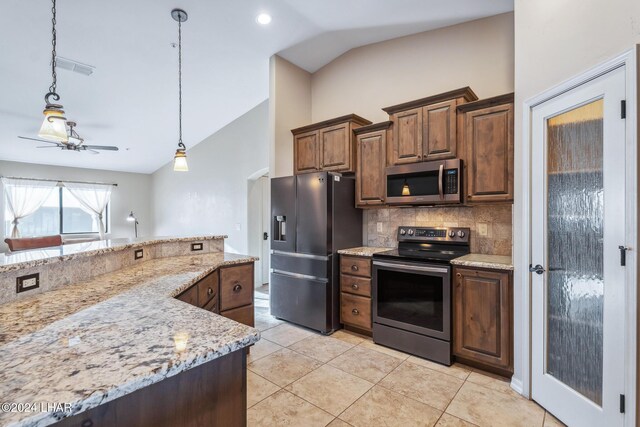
<point>451,181</point>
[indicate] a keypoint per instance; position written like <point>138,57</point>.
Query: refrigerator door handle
<point>299,255</point>
<point>301,276</point>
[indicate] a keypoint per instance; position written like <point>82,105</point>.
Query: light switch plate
<point>379,227</point>
<point>482,229</point>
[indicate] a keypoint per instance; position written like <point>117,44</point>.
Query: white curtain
<point>93,199</point>
<point>24,197</point>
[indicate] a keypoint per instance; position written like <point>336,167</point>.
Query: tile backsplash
<point>382,225</point>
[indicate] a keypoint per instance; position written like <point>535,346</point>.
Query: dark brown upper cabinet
<point>371,155</point>
<point>487,148</point>
<point>426,129</point>
<point>327,146</point>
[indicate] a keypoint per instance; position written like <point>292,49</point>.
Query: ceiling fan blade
<point>101,147</point>
<point>39,140</point>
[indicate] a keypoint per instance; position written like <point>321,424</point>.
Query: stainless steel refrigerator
<point>312,216</point>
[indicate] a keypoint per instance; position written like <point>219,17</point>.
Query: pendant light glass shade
<point>180,161</point>
<point>405,189</point>
<point>54,126</point>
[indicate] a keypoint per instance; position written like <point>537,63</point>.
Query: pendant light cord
<point>180,144</point>
<point>52,88</point>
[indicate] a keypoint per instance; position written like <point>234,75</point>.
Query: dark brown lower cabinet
<point>212,394</point>
<point>227,291</point>
<point>483,319</point>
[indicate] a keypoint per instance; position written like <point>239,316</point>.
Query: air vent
<point>75,66</point>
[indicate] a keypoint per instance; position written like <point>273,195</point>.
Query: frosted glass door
<point>578,221</point>
<point>575,228</point>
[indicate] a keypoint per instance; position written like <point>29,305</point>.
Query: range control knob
<point>452,234</point>
<point>410,232</point>
<point>461,234</point>
<point>403,231</point>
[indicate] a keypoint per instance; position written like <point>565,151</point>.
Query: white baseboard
<point>516,385</point>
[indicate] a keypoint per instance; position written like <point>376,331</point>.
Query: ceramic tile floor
<point>299,378</point>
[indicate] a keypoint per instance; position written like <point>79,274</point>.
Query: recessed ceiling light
<point>263,19</point>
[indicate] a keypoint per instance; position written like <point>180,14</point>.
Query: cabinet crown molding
<point>372,127</point>
<point>464,92</point>
<point>354,118</point>
<point>487,102</point>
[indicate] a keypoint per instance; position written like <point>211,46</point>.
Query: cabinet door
<point>482,317</point>
<point>306,152</point>
<point>439,130</point>
<point>370,176</point>
<point>488,138</point>
<point>407,137</point>
<point>336,149</point>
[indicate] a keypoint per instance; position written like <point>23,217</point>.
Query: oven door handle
<point>411,267</point>
<point>440,176</point>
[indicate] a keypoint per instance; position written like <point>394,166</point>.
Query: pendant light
<point>54,125</point>
<point>405,189</point>
<point>180,158</point>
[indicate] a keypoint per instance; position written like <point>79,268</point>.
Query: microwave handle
<point>440,175</point>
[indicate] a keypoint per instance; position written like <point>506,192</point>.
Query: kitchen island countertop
<point>91,342</point>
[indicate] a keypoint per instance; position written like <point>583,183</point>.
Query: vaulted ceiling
<point>131,98</point>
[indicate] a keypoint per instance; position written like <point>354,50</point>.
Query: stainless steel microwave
<point>426,183</point>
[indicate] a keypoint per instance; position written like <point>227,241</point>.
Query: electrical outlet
<point>138,254</point>
<point>27,282</point>
<point>482,229</point>
<point>379,227</point>
<point>196,246</point>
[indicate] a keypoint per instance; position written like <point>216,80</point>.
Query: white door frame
<point>522,235</point>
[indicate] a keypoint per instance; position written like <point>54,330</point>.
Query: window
<point>60,214</point>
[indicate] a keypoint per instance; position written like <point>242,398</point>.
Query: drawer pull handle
<point>209,291</point>
<point>355,312</point>
<point>354,267</point>
<point>355,286</point>
<point>237,288</point>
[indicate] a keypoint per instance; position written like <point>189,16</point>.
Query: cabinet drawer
<point>355,310</point>
<point>236,286</point>
<point>207,289</point>
<point>355,285</point>
<point>356,266</point>
<point>190,296</point>
<point>242,315</point>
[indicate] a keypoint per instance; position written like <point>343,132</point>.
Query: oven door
<point>413,296</point>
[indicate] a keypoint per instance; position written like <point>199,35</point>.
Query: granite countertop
<point>36,257</point>
<point>92,342</point>
<point>496,262</point>
<point>366,251</point>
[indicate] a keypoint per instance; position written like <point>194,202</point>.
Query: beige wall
<point>289,107</point>
<point>478,54</point>
<point>212,197</point>
<point>554,41</point>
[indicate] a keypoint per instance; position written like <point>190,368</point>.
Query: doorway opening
<point>258,205</point>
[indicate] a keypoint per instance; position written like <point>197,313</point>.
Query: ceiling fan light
<point>54,126</point>
<point>180,161</point>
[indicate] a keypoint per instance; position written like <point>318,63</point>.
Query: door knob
<point>538,269</point>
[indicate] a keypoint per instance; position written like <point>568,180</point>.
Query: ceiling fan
<point>74,143</point>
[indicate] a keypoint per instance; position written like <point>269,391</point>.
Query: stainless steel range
<point>412,291</point>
